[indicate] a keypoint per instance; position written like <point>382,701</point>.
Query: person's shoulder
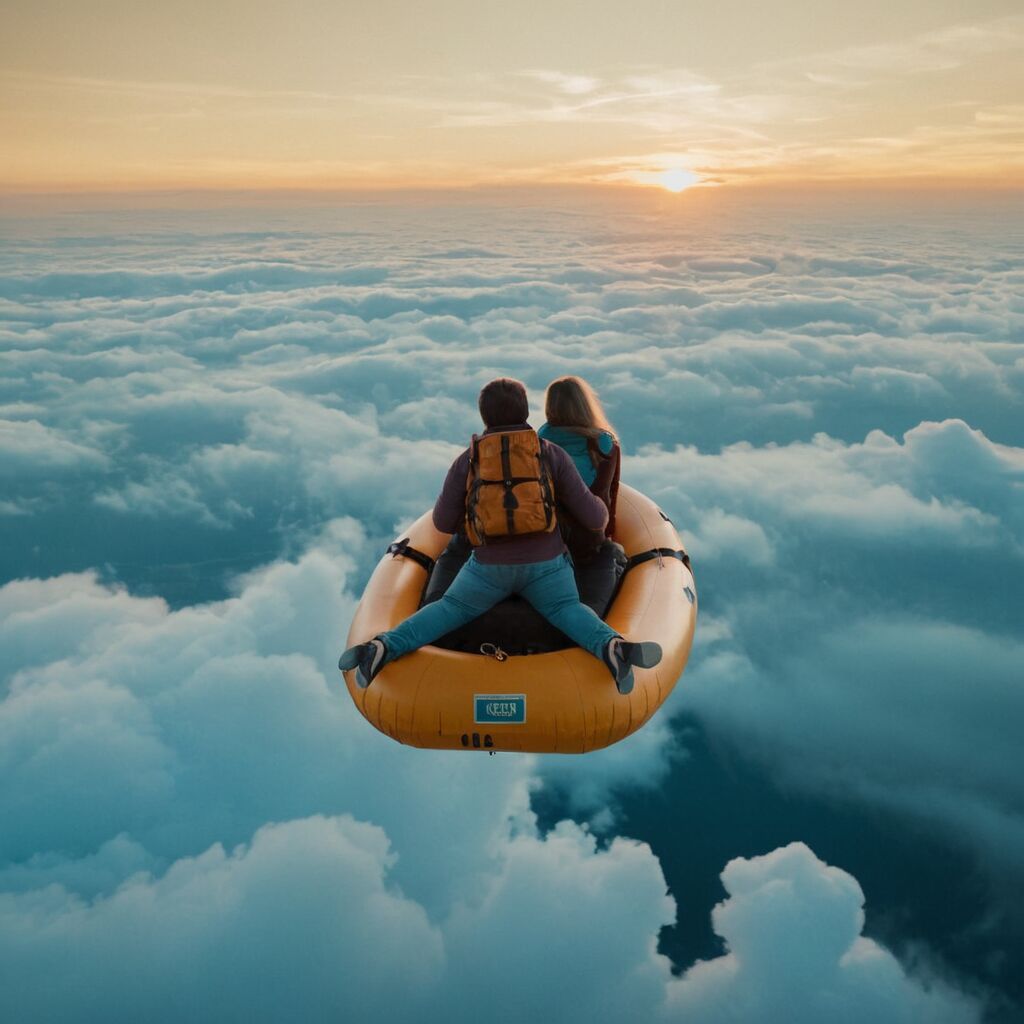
<point>554,452</point>
<point>605,442</point>
<point>562,436</point>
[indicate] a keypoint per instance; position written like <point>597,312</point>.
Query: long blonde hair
<point>571,403</point>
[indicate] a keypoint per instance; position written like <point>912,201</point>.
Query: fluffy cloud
<point>30,448</point>
<point>305,919</point>
<point>185,728</point>
<point>899,687</point>
<point>299,921</point>
<point>145,757</point>
<point>923,717</point>
<point>792,926</point>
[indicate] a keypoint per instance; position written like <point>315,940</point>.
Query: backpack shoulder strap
<point>547,480</point>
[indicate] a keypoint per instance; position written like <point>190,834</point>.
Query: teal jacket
<point>576,445</point>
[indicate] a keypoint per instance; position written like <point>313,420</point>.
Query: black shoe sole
<point>643,655</point>
<point>348,661</point>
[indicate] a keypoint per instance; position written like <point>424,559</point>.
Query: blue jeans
<point>549,586</point>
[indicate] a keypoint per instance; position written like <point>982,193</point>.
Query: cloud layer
<point>160,742</point>
<point>208,432</point>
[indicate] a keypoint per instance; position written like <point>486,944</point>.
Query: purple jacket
<point>570,491</point>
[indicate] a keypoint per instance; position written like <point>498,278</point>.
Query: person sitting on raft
<point>576,421</point>
<point>503,490</point>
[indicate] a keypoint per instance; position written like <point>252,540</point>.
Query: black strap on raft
<point>400,548</point>
<point>648,556</point>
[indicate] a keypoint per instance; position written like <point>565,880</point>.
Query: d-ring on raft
<point>563,701</point>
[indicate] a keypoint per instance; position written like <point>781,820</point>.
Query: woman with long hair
<point>576,421</point>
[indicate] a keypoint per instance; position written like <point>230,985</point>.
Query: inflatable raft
<point>559,700</point>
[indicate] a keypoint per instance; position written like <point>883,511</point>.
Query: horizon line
<point>895,184</point>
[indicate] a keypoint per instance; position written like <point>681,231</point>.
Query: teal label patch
<point>499,708</point>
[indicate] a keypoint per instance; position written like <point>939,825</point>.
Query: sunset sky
<point>135,95</point>
<point>257,261</point>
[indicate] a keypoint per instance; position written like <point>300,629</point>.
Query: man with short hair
<point>494,508</point>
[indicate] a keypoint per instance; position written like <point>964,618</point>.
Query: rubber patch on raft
<point>495,708</point>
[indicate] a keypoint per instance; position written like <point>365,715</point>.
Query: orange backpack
<point>509,491</point>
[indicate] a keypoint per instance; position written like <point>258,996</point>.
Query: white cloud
<point>792,927</point>
<point>873,655</point>
<point>721,535</point>
<point>30,448</point>
<point>144,757</point>
<point>299,921</point>
<point>572,85</point>
<point>921,717</point>
<point>928,489</point>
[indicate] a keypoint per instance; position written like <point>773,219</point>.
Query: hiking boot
<point>367,659</point>
<point>620,656</point>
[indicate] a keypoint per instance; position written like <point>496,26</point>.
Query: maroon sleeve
<point>450,507</point>
<point>606,484</point>
<point>586,508</point>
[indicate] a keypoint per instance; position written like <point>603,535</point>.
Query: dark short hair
<point>503,402</point>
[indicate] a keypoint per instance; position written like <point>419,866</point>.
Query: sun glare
<point>677,179</point>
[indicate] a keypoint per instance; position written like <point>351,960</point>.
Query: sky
<point>212,423</point>
<point>121,95</point>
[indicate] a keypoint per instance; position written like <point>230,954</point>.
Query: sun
<point>677,179</point>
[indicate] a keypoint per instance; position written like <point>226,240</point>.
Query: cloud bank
<point>181,869</point>
<point>208,432</point>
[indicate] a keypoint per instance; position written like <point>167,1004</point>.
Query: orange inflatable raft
<point>563,701</point>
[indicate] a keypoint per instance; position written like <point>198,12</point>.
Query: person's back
<point>570,491</point>
<point>578,446</point>
<point>576,422</point>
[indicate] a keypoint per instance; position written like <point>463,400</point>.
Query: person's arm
<point>585,507</point>
<point>450,507</point>
<point>612,494</point>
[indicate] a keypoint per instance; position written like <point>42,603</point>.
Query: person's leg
<point>475,589</point>
<point>551,589</point>
<point>553,592</point>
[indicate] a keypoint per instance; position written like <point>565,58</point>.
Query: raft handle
<point>658,553</point>
<point>401,548</point>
